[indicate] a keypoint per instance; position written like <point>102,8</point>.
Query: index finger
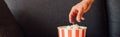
<point>72,15</point>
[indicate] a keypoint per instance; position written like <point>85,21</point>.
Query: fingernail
<point>78,20</point>
<point>83,18</point>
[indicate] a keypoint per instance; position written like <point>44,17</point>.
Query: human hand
<point>79,10</point>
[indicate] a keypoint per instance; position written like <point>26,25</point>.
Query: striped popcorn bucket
<point>63,32</point>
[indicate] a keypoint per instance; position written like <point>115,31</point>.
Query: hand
<point>79,10</point>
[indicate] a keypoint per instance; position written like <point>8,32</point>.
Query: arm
<point>79,10</point>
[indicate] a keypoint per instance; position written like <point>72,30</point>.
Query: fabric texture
<point>8,25</point>
<point>114,17</point>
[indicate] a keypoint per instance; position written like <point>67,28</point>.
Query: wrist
<point>88,0</point>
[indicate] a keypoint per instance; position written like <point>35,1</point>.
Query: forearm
<point>88,0</point>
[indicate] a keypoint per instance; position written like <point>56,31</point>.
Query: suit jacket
<point>8,25</point>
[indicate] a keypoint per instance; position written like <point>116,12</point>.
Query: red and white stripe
<point>72,33</point>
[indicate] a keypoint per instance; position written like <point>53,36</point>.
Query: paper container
<point>63,32</point>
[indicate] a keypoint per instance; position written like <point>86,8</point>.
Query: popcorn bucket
<point>63,31</point>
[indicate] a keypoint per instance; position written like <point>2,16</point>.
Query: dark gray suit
<point>8,25</point>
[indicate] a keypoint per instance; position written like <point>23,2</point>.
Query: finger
<point>78,18</point>
<point>82,18</point>
<point>86,7</point>
<point>72,15</point>
<point>82,14</point>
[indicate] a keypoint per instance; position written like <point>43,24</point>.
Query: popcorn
<point>74,26</point>
<point>72,31</point>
